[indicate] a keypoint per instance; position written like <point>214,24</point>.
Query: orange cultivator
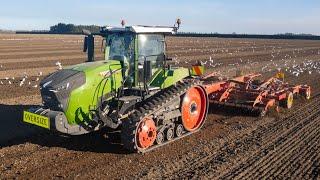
<point>248,93</point>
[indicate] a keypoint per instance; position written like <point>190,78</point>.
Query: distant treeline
<point>256,36</point>
<point>6,31</point>
<point>63,28</point>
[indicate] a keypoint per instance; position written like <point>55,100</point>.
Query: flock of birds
<point>308,66</point>
<point>290,63</point>
<point>26,80</point>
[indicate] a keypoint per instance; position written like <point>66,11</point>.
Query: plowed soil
<point>231,145</point>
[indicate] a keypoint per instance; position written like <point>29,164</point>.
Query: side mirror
<point>88,46</point>
<point>85,44</point>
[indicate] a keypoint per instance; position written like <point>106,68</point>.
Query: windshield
<point>121,46</point>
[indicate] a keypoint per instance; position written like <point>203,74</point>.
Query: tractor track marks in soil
<point>277,157</point>
<point>217,162</point>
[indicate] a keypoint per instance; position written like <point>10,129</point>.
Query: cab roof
<point>141,29</point>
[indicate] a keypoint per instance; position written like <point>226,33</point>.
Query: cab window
<point>151,54</point>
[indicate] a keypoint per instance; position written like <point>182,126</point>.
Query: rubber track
<point>149,106</point>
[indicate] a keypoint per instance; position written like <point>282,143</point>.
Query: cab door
<point>151,56</point>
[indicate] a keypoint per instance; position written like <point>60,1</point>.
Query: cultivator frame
<point>248,93</point>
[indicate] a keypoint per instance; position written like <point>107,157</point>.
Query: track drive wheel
<point>288,102</point>
<point>194,108</point>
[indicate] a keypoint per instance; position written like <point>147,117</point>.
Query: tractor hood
<point>80,86</point>
<point>56,88</point>
<point>93,66</point>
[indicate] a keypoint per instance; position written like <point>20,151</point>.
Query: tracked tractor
<point>136,90</point>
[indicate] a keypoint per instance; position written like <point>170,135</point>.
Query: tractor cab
<point>141,51</point>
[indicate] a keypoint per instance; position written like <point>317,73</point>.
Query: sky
<point>222,16</point>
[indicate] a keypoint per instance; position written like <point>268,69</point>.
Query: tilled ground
<point>231,145</point>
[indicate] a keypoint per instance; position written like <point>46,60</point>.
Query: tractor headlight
<point>63,87</point>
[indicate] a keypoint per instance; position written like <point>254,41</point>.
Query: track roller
<point>179,130</point>
<point>169,134</point>
<point>160,138</point>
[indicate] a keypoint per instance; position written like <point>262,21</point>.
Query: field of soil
<point>231,145</point>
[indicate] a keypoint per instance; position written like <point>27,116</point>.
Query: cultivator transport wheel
<point>263,113</point>
<point>288,101</point>
<point>307,94</point>
<point>194,108</point>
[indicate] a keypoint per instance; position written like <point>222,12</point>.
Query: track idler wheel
<point>194,108</point>
<point>146,133</point>
<point>288,102</point>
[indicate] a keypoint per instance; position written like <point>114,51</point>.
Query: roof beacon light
<point>123,23</point>
<point>177,24</point>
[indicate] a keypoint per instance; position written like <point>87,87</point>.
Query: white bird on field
<point>59,65</point>
<point>211,60</point>
<point>203,63</point>
<point>25,75</point>
<point>40,73</point>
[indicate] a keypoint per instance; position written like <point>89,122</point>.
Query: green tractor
<point>135,90</point>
